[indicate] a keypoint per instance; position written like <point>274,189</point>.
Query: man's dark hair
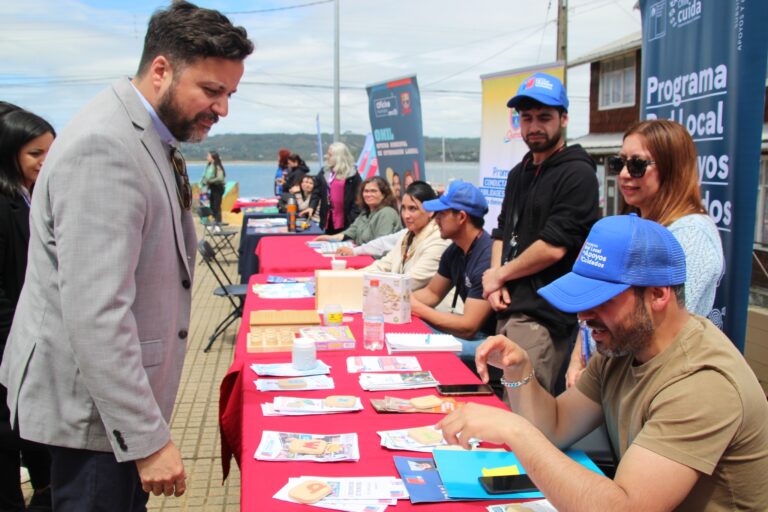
<point>530,104</point>
<point>478,222</point>
<point>184,33</point>
<point>678,290</point>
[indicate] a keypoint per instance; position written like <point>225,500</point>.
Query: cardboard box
<point>396,292</point>
<point>342,287</point>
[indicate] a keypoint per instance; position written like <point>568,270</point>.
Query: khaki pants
<point>546,354</point>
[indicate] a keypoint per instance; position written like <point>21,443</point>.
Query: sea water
<point>257,178</point>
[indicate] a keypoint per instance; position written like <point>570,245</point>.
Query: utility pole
<point>336,74</point>
<point>562,36</point>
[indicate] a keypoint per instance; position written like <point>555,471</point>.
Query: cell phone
<point>507,484</point>
<point>464,389</point>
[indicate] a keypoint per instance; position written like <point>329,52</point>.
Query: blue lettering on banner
<point>383,134</point>
<point>703,66</point>
<point>492,192</point>
<point>495,183</point>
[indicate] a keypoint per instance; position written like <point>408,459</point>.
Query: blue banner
<point>394,108</point>
<point>703,65</point>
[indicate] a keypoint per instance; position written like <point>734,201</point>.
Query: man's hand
<point>163,472</point>
<point>501,352</point>
<point>499,300</point>
<point>475,421</point>
<point>492,281</point>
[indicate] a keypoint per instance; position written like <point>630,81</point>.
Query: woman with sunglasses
<point>658,178</point>
<point>24,142</point>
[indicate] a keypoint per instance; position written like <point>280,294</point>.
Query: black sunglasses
<point>183,188</point>
<point>635,166</point>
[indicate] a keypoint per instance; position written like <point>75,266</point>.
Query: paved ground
<point>195,419</point>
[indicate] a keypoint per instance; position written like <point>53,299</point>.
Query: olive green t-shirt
<point>697,403</point>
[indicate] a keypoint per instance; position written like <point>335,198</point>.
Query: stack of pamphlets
<point>287,369</point>
<point>418,439</point>
<point>285,290</point>
<point>356,364</point>
<point>289,446</point>
<point>354,494</point>
<point>329,337</point>
<point>329,248</point>
<point>394,404</point>
<point>411,342</point>
<point>528,506</point>
<point>387,381</point>
<point>421,479</point>
<point>266,222</point>
<point>295,383</point>
<point>294,406</point>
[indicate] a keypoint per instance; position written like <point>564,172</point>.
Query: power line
<point>297,6</point>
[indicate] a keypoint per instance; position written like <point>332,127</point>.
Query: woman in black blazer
<point>337,211</point>
<point>24,142</point>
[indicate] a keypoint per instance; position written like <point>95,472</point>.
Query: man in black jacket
<point>550,204</point>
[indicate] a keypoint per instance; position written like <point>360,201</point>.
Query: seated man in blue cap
<point>460,215</point>
<point>684,412</point>
<point>550,203</point>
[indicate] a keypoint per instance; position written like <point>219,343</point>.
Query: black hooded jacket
<point>557,202</point>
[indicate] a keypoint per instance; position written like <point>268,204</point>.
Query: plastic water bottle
<point>373,318</point>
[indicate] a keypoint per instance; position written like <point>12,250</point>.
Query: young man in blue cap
<point>459,215</point>
<point>684,412</point>
<point>550,202</point>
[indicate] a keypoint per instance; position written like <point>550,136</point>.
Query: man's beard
<point>179,126</point>
<point>540,146</point>
<point>631,339</point>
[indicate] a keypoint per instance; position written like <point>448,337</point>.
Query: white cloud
<point>71,49</point>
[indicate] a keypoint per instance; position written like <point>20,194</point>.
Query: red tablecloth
<point>278,255</point>
<point>241,402</point>
<point>242,203</point>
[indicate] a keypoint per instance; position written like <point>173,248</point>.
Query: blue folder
<point>460,469</point>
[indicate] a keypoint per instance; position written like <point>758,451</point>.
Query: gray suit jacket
<point>97,345</point>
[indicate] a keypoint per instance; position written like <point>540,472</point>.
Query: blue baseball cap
<point>460,196</point>
<point>619,252</point>
<point>543,88</point>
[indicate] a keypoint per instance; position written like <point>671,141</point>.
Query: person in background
<point>658,179</point>
<point>460,216</point>
<point>336,190</point>
<point>418,251</point>
<point>684,412</point>
<point>95,354</point>
<point>396,185</point>
<point>408,178</point>
<point>303,197</point>
<point>214,179</point>
<point>297,169</point>
<point>550,202</point>
<point>378,218</point>
<point>24,142</point>
<point>282,170</point>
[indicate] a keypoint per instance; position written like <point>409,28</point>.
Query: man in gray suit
<point>94,358</point>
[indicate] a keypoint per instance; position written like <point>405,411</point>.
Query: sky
<point>57,54</point>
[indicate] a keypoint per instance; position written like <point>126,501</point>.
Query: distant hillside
<point>264,146</point>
